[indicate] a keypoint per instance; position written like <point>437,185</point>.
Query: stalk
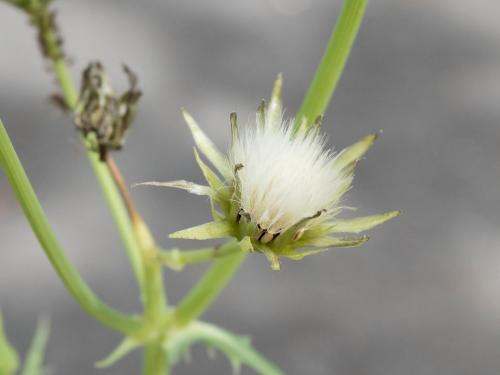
<point>202,295</point>
<point>102,172</point>
<point>33,210</point>
<point>332,63</point>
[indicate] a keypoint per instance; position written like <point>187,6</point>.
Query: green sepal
<point>125,347</point>
<point>9,360</point>
<point>327,241</point>
<point>246,244</point>
<point>220,194</point>
<point>271,256</point>
<point>189,186</point>
<point>290,233</point>
<point>213,229</point>
<point>207,147</point>
<point>354,152</point>
<point>33,364</point>
<point>361,224</point>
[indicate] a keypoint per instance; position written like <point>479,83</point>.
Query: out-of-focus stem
<point>332,63</point>
<point>39,223</point>
<point>178,259</point>
<point>201,296</point>
<point>155,361</point>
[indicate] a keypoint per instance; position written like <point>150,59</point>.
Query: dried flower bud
<point>102,112</point>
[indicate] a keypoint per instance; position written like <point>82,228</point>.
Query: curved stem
<point>111,193</point>
<point>201,296</point>
<point>39,223</point>
<point>332,63</point>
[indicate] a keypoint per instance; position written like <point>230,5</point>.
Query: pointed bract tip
<point>278,84</point>
<point>233,118</point>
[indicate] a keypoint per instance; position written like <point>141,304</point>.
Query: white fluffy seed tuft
<point>285,177</point>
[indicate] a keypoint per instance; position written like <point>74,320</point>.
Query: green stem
<point>178,259</point>
<point>333,61</point>
<point>155,360</point>
<point>155,297</point>
<point>201,296</point>
<point>155,302</point>
<point>39,223</point>
<point>111,193</point>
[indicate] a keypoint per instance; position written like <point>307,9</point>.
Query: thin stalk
<point>111,194</point>
<point>155,361</point>
<point>333,61</point>
<point>155,297</point>
<point>201,296</point>
<point>178,259</point>
<point>33,210</point>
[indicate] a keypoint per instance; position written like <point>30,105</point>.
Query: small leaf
<point>9,360</point>
<point>126,346</point>
<point>213,229</point>
<point>189,186</point>
<point>361,224</point>
<point>207,147</point>
<point>33,365</point>
<point>354,152</point>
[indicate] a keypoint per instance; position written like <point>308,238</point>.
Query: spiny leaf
<point>33,365</point>
<point>213,229</point>
<point>189,186</point>
<point>361,224</point>
<point>207,147</point>
<point>126,346</point>
<point>236,348</point>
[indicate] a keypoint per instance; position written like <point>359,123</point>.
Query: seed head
<point>280,186</point>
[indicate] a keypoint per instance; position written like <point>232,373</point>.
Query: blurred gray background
<point>421,297</point>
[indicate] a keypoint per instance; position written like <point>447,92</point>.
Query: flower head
<point>279,187</point>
